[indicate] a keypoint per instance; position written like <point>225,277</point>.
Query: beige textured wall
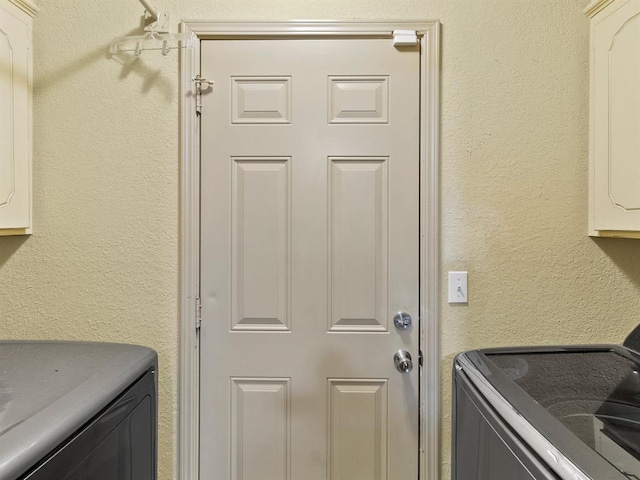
<point>103,265</point>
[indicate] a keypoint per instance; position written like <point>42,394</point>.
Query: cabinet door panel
<point>15,168</point>
<point>615,195</point>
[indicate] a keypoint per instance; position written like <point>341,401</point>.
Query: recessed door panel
<point>260,441</point>
<point>260,243</point>
<point>261,100</point>
<point>358,429</point>
<point>363,99</point>
<point>358,243</point>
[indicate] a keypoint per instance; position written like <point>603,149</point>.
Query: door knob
<point>402,320</point>
<point>403,362</point>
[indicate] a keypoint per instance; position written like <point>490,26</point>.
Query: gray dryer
<point>77,411</point>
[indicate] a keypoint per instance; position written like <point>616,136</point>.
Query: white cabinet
<point>15,116</point>
<point>614,144</point>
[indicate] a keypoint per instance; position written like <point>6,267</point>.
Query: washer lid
<point>595,394</point>
<point>48,390</point>
<point>577,407</point>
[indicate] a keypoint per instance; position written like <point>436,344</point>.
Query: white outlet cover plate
<point>458,291</point>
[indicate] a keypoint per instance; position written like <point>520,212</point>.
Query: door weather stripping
<point>405,38</point>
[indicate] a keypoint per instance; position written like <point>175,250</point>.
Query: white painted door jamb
<point>429,37</point>
<point>188,366</point>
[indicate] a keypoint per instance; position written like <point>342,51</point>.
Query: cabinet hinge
<point>198,314</point>
<point>202,84</point>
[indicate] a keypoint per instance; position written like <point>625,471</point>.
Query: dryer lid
<point>48,390</point>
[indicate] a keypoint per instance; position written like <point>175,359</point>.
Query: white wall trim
<point>380,29</point>
<point>430,253</point>
<point>188,369</point>
<point>26,6</point>
<point>188,449</point>
<point>596,7</point>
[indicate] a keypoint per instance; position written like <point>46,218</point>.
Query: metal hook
<point>202,83</point>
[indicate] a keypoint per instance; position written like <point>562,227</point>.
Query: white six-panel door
<point>309,246</point>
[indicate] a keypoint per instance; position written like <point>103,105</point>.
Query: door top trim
<point>217,29</point>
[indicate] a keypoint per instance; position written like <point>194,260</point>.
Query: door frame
<point>188,368</point>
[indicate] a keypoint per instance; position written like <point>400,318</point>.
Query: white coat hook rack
<point>162,34</point>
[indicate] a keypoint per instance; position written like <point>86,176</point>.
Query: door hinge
<point>420,358</point>
<point>202,84</point>
<point>198,314</point>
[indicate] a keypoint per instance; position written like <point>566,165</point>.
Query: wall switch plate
<point>458,292</point>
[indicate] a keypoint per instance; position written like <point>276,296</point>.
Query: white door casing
<point>301,211</point>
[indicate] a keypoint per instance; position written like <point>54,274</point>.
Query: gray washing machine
<point>547,413</point>
<point>77,411</point>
